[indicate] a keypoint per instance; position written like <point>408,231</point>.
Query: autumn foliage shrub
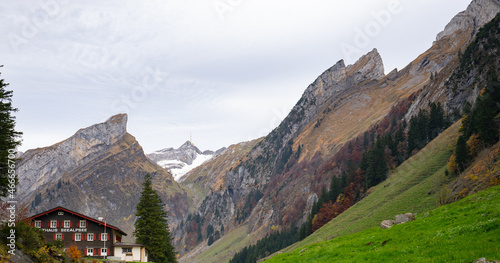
<point>74,253</point>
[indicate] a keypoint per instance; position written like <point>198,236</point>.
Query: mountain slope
<point>412,187</point>
<point>464,231</point>
<point>418,184</point>
<point>283,174</point>
<point>98,171</point>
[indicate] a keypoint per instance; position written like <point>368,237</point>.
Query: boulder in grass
<point>404,218</point>
<point>387,224</point>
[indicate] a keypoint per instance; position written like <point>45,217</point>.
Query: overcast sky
<point>224,70</point>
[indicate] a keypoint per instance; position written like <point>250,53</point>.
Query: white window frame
<point>126,252</point>
<point>53,223</point>
<point>78,237</point>
<point>38,223</point>
<point>104,252</point>
<point>90,237</point>
<point>83,223</point>
<point>90,252</point>
<point>67,224</point>
<point>59,236</point>
<point>104,236</point>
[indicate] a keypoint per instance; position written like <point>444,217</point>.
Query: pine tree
<point>151,227</point>
<point>8,138</point>
<point>461,153</point>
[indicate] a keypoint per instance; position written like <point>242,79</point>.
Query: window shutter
<point>84,237</point>
<point>54,237</point>
<point>71,224</point>
<point>73,237</point>
<point>41,223</point>
<point>62,236</point>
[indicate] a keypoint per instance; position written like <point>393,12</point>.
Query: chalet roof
<point>60,208</point>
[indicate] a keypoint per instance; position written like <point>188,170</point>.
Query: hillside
<point>413,187</point>
<point>277,183</point>
<point>464,231</point>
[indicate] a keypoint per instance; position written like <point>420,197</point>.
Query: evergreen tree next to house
<point>8,138</point>
<point>151,227</point>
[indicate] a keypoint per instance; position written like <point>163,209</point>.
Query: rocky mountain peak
<point>477,14</point>
<point>60,158</point>
<point>181,160</point>
<point>368,67</point>
<point>191,146</point>
<point>107,132</point>
<point>340,78</point>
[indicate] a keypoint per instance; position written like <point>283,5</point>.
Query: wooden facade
<point>78,230</point>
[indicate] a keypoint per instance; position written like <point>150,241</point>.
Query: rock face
<point>467,80</point>
<point>183,159</point>
<point>48,165</point>
<point>335,80</point>
<point>98,171</point>
<point>477,14</point>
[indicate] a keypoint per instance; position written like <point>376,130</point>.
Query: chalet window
<point>78,237</point>
<point>38,224</point>
<point>90,251</point>
<point>53,223</point>
<point>60,213</point>
<point>67,224</point>
<point>58,236</point>
<point>126,250</point>
<point>83,223</point>
<point>90,237</point>
<point>104,251</point>
<point>104,237</point>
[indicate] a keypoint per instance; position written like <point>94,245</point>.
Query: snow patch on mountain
<point>181,160</point>
<point>178,168</point>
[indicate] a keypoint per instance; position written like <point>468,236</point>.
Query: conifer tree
<point>8,137</point>
<point>151,227</point>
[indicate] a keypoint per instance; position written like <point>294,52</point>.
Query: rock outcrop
<point>477,14</point>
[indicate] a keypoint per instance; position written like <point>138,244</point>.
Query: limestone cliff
<point>477,14</point>
<point>98,171</point>
<point>47,165</point>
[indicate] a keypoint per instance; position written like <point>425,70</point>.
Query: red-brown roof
<point>77,214</point>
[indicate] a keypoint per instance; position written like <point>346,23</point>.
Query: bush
<point>74,253</point>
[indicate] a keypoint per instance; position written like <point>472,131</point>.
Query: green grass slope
<point>459,232</point>
<point>412,187</point>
